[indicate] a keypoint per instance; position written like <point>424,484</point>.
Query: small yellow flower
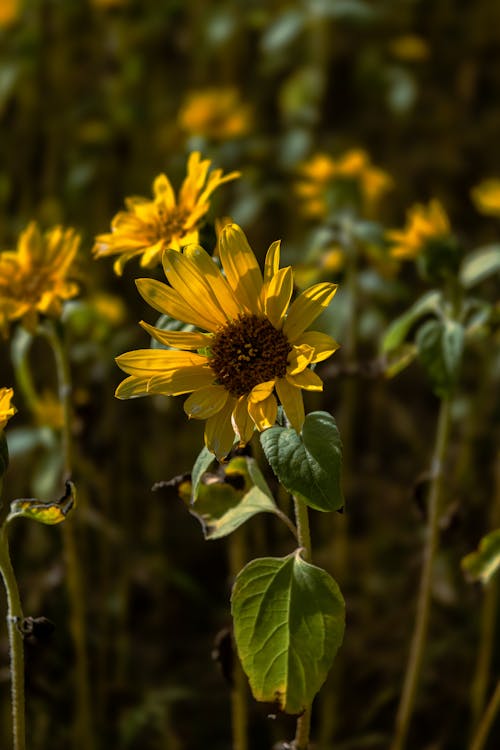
<point>9,11</point>
<point>7,410</point>
<point>486,197</point>
<point>33,279</point>
<point>423,225</point>
<point>215,113</point>
<point>149,227</point>
<point>256,343</point>
<point>321,173</point>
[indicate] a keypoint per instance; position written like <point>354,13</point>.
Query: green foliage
<point>397,332</point>
<point>479,265</point>
<point>440,347</point>
<point>485,562</point>
<point>288,625</point>
<point>48,513</point>
<point>308,464</point>
<point>203,462</point>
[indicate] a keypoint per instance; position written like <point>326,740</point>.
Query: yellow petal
<point>307,307</point>
<point>178,339</point>
<point>292,402</point>
<point>150,362</point>
<point>277,296</point>
<point>183,380</point>
<point>162,191</point>
<point>132,387</point>
<point>308,380</point>
<point>324,346</point>
<point>261,392</point>
<point>264,413</point>
<point>222,291</point>
<point>299,358</point>
<point>241,267</point>
<point>206,402</point>
<point>191,285</point>
<point>243,424</point>
<point>272,262</point>
<point>166,300</point>
<point>219,433</point>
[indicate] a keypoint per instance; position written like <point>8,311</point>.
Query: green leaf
<point>485,562</point>
<point>308,464</point>
<point>288,625</point>
<point>480,264</point>
<point>399,329</point>
<point>203,462</point>
<point>49,513</point>
<point>440,347</point>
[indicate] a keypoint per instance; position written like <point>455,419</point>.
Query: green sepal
<point>308,464</point>
<point>482,564</point>
<point>289,619</point>
<point>440,348</point>
<point>49,513</point>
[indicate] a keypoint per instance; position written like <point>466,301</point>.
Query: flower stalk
<point>302,732</point>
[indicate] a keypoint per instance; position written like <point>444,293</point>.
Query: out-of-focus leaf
<point>399,329</point>
<point>478,265</point>
<point>353,10</point>
<point>288,625</point>
<point>202,464</point>
<point>482,564</point>
<point>283,31</point>
<point>440,347</point>
<point>48,513</point>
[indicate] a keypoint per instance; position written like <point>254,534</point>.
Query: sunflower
<point>33,279</point>
<point>251,349</point>
<point>148,227</point>
<point>215,113</point>
<point>7,410</point>
<point>424,225</point>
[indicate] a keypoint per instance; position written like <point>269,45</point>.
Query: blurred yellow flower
<point>320,173</point>
<point>410,48</point>
<point>9,11</point>
<point>110,307</point>
<point>486,197</point>
<point>149,227</point>
<point>256,345</point>
<point>423,225</point>
<point>215,113</point>
<point>7,409</point>
<point>33,279</point>
<point>48,411</point>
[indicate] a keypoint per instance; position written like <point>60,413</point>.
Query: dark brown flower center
<point>248,351</point>
<point>170,224</point>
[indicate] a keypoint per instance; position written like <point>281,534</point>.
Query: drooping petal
<point>241,267</point>
<point>243,424</point>
<point>264,413</point>
<point>167,301</point>
<point>324,346</point>
<point>178,339</point>
<point>277,296</point>
<point>307,307</point>
<point>299,358</point>
<point>219,433</point>
<point>307,379</point>
<point>144,362</point>
<point>222,291</point>
<point>292,402</point>
<point>206,402</point>
<point>261,392</point>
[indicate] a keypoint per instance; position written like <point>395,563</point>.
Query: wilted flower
<point>148,227</point>
<point>34,278</point>
<point>486,197</point>
<point>7,409</point>
<point>215,113</point>
<point>424,224</point>
<point>321,175</point>
<point>256,343</point>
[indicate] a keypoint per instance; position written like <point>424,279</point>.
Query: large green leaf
<point>308,464</point>
<point>397,332</point>
<point>440,347</point>
<point>480,264</point>
<point>288,625</point>
<point>485,562</point>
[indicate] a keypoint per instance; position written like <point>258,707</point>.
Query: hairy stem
<point>417,648</point>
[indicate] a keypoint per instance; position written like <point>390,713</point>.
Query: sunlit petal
<point>219,433</point>
<point>241,267</point>
<point>277,296</point>
<point>156,361</point>
<point>189,282</point>
<point>292,402</point>
<point>243,424</point>
<point>178,339</point>
<point>167,301</point>
<point>307,307</point>
<point>183,380</point>
<point>261,392</point>
<point>299,358</point>
<point>221,289</point>
<point>206,402</point>
<point>308,380</point>
<point>324,346</point>
<point>264,413</point>
<point>272,262</point>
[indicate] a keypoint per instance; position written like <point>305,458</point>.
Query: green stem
<point>75,584</point>
<point>417,648</point>
<point>486,722</point>
<point>301,741</point>
<point>239,704</point>
<point>16,647</point>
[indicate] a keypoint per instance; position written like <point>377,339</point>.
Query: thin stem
<point>283,516</point>
<point>75,584</point>
<point>417,648</point>
<point>486,722</point>
<point>16,646</point>
<point>301,741</point>
<point>239,704</point>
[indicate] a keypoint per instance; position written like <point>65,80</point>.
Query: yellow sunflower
<point>7,410</point>
<point>148,227</point>
<point>424,224</point>
<point>255,350</point>
<point>486,196</point>
<point>33,279</point>
<point>215,113</point>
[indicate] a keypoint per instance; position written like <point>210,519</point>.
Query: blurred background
<point>97,97</point>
